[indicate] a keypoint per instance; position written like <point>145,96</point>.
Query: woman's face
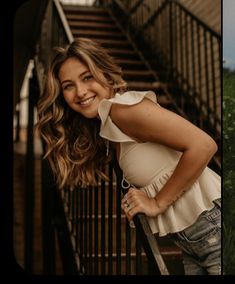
<point>80,89</point>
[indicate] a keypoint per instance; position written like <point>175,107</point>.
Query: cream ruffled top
<point>148,166</point>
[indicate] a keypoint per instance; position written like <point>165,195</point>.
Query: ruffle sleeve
<point>108,129</point>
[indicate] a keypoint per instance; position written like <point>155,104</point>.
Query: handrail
<point>64,20</point>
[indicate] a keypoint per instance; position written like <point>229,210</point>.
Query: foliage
<point>229,171</point>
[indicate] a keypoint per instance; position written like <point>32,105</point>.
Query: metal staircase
<point>96,23</point>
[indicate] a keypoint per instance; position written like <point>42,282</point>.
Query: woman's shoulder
<point>133,97</point>
<point>108,128</point>
<point>125,99</point>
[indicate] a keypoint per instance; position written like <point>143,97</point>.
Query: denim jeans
<point>201,243</point>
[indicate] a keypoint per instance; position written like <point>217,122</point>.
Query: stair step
<point>96,34</point>
<point>88,18</point>
<point>83,10</point>
<point>129,64</point>
<point>143,86</point>
<point>142,74</point>
<point>123,53</point>
<point>115,43</point>
<point>92,25</point>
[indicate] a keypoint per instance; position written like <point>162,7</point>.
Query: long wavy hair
<point>76,152</point>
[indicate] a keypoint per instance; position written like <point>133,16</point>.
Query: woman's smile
<point>87,102</point>
<point>82,92</point>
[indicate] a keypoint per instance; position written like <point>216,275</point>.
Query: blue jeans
<point>201,243</point>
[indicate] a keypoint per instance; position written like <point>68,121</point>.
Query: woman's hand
<point>137,201</point>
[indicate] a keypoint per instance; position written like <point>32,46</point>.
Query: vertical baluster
<point>170,51</point>
<point>128,248</point>
<point>103,201</point>
<point>73,201</point>
<point>110,221</point>
<point>77,220</point>
<point>193,54</point>
<point>207,75</point>
<point>182,63</point>
<point>138,255</point>
<point>81,231</point>
<point>199,73</point>
<point>85,228</point>
<point>186,52</point>
<point>96,239</point>
<point>90,236</point>
<point>118,226</point>
<point>176,38</point>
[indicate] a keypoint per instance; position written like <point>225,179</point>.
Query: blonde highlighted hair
<point>76,152</point>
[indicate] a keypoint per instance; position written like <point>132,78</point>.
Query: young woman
<point>86,110</point>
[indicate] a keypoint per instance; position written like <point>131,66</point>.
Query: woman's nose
<point>81,90</point>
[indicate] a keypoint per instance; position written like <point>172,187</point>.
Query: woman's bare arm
<point>147,121</point>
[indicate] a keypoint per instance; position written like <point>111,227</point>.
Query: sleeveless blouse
<point>147,166</point>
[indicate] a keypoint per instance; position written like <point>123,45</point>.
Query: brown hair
<point>74,148</point>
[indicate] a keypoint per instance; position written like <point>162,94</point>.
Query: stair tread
<point>97,32</point>
<point>89,18</point>
<point>128,61</point>
<point>113,41</point>
<point>84,9</point>
<point>88,25</point>
<point>122,51</point>
<point>145,85</point>
<point>138,72</point>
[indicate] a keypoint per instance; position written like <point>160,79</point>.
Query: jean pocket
<point>208,224</point>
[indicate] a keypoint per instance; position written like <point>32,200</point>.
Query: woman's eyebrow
<point>82,74</point>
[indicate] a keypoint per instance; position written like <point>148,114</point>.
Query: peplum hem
<point>197,199</point>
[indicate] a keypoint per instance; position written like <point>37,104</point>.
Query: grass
<point>229,172</point>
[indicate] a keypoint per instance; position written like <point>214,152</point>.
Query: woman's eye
<point>87,78</point>
<point>67,87</point>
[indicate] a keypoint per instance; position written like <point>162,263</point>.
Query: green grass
<point>229,172</point>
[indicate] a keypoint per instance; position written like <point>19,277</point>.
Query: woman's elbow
<point>210,146</point>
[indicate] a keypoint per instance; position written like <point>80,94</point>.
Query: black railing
<point>183,51</point>
<point>101,236</point>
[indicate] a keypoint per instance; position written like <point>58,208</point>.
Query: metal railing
<point>183,51</point>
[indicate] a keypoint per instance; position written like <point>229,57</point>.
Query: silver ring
<point>126,204</point>
<point>132,224</point>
